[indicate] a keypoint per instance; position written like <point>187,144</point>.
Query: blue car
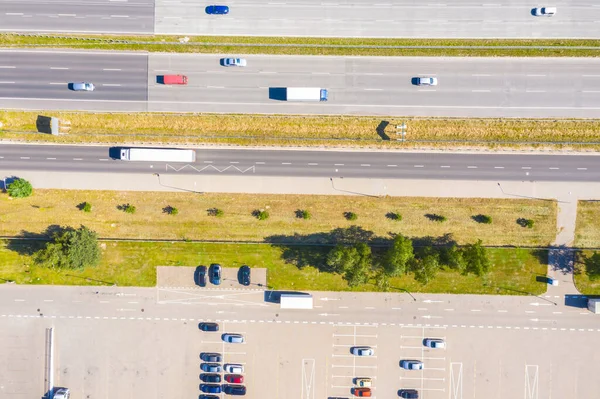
<point>220,10</point>
<point>215,274</point>
<point>210,388</point>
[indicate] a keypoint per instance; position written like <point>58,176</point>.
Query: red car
<point>234,378</point>
<point>361,392</point>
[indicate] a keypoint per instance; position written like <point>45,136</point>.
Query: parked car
<point>435,343</point>
<point>210,388</point>
<point>235,389</point>
<point>241,62</point>
<point>215,274</point>
<point>233,368</point>
<point>211,367</point>
<point>411,364</point>
<point>233,338</point>
<point>211,357</point>
<point>427,81</point>
<point>362,382</point>
<point>82,86</point>
<point>363,392</point>
<point>362,351</point>
<point>61,393</point>
<point>408,394</point>
<point>208,397</point>
<point>217,10</point>
<point>200,276</point>
<point>210,327</point>
<point>544,11</point>
<point>234,378</point>
<point>244,275</point>
<point>216,378</point>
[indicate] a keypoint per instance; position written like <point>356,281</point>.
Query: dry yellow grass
<point>301,130</point>
<point>587,229</point>
<point>56,207</point>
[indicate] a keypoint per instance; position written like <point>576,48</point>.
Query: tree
<point>452,257</point>
<point>70,248</point>
<point>382,281</point>
<point>397,257</point>
<point>476,260</point>
<point>19,188</point>
<point>426,268</point>
<point>353,261</point>
<point>592,266</point>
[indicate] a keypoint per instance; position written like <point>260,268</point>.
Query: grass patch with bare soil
<point>293,130</point>
<point>587,230</point>
<point>513,271</point>
<point>195,219</point>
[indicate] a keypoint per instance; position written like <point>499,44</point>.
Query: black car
<point>208,397</point>
<point>234,389</point>
<point>211,357</point>
<point>208,327</point>
<point>216,378</point>
<point>244,275</point>
<point>210,388</point>
<point>215,274</point>
<point>408,394</point>
<point>200,276</point>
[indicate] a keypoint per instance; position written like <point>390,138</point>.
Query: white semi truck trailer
<point>158,155</point>
<point>305,94</point>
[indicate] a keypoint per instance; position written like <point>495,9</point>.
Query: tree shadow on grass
<point>28,243</point>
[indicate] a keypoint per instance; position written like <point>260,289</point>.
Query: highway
<point>350,18</point>
<point>291,163</point>
<point>89,16</point>
<point>473,87</point>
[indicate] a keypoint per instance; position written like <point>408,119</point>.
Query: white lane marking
<point>471,167</point>
<point>338,164</point>
<point>480,91</point>
<point>57,83</point>
<point>66,15</point>
<point>536,76</point>
<point>391,166</point>
<point>535,91</point>
<point>59,68</point>
<point>103,159</point>
<point>111,84</point>
<point>48,300</point>
<point>475,310</point>
<point>215,87</point>
<point>444,166</point>
<point>365,164</point>
<point>7,67</point>
<point>427,90</point>
<point>260,163</point>
<point>208,161</point>
<point>7,82</point>
<point>418,166</point>
<point>502,311</point>
<point>14,13</point>
<point>525,167</point>
<point>480,74</point>
<point>111,69</point>
<point>77,159</point>
<point>320,73</point>
<point>554,168</point>
<point>498,167</point>
<point>119,16</point>
<point>590,91</point>
<point>51,159</point>
<point>372,74</point>
<point>25,158</point>
<point>233,162</point>
<point>591,76</point>
<point>373,89</point>
<point>313,164</point>
<point>286,163</point>
<point>581,168</point>
<point>267,72</point>
<point>19,300</point>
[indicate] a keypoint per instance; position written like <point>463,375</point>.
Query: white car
<point>61,393</point>
<point>232,368</point>
<point>362,351</point>
<point>241,62</point>
<point>411,364</point>
<point>83,86</point>
<point>435,343</point>
<point>544,11</point>
<point>427,81</point>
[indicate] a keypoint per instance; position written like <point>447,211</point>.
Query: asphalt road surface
<point>388,165</point>
<point>473,87</point>
<point>89,16</point>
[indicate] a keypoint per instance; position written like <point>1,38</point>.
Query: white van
<point>545,11</point>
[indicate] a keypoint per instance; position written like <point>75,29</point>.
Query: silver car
<point>362,351</point>
<point>411,364</point>
<point>241,62</point>
<point>82,86</point>
<point>233,368</point>
<point>233,338</point>
<point>427,81</point>
<point>434,343</point>
<point>544,11</point>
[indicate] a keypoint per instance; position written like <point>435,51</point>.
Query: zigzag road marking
<point>250,168</point>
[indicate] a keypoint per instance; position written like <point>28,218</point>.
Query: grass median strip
<point>587,233</point>
<point>31,216</point>
<point>513,270</point>
<point>312,46</point>
<point>264,130</point>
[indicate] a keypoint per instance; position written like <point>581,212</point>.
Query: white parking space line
<point>358,367</point>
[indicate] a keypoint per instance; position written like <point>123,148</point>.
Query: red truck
<point>174,79</point>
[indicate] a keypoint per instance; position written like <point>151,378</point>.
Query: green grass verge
<point>293,130</point>
<point>134,264</point>
<point>582,280</point>
<point>294,45</point>
<point>587,233</point>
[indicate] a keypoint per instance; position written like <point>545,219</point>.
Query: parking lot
<point>133,357</point>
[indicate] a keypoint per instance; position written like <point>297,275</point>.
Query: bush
<point>127,208</point>
<point>485,219</point>
<point>525,222</point>
<point>350,215</point>
<point>19,188</point>
<point>394,216</point>
<point>303,214</point>
<point>85,206</point>
<point>434,217</point>
<point>215,212</point>
<point>260,214</point>
<point>169,210</point>
<point>70,248</point>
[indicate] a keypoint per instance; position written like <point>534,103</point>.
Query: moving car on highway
<point>426,81</point>
<point>544,11</point>
<point>83,86</point>
<point>217,10</point>
<point>411,364</point>
<point>241,62</point>
<point>362,351</point>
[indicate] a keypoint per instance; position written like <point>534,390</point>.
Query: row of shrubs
<point>261,214</point>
